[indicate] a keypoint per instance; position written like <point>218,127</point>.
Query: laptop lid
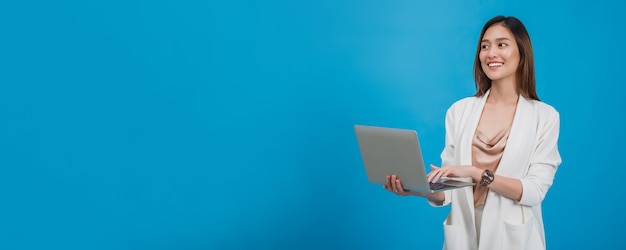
<point>394,151</point>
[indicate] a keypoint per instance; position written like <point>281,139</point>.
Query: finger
<point>446,173</point>
<point>435,177</point>
<point>401,190</point>
<point>433,174</point>
<point>400,187</point>
<point>388,184</point>
<point>433,171</point>
<point>443,173</point>
<point>430,175</point>
<point>394,183</point>
<point>438,174</point>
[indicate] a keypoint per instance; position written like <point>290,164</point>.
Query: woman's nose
<point>491,54</point>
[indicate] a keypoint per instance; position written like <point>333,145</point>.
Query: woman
<point>505,140</point>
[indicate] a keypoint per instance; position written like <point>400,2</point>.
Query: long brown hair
<point>525,75</point>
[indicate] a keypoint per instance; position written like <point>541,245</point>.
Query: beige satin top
<point>486,154</point>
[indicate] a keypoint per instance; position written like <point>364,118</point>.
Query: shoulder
<point>464,105</point>
<point>543,109</point>
<point>461,109</point>
<point>545,115</point>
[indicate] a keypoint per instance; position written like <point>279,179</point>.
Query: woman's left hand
<point>454,171</point>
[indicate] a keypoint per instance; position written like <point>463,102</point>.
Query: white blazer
<point>531,155</point>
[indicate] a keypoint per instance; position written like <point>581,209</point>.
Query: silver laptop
<point>393,151</point>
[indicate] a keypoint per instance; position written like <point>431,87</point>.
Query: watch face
<point>487,178</point>
<point>490,175</point>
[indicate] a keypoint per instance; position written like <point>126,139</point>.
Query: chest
<point>496,118</point>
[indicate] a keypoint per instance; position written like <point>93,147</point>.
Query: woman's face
<point>499,55</point>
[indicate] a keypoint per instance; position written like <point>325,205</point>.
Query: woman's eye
<point>502,45</point>
<point>484,46</point>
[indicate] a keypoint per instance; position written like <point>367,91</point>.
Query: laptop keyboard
<point>437,186</point>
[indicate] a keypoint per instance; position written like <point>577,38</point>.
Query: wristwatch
<point>487,178</point>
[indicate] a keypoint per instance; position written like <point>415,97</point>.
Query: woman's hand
<point>394,185</point>
<point>454,171</point>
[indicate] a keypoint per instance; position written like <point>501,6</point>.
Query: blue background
<point>229,125</point>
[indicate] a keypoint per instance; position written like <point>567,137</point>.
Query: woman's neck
<point>503,93</point>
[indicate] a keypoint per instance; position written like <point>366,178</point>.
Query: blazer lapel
<point>517,137</point>
<point>465,149</point>
<point>470,129</point>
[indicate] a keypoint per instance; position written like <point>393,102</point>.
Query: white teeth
<point>495,64</point>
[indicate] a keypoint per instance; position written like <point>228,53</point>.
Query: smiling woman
<point>229,124</point>
<point>503,138</point>
<point>499,55</point>
<point>512,43</point>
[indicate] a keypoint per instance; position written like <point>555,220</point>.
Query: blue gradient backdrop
<point>228,124</point>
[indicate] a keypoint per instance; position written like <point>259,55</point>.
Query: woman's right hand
<point>394,185</point>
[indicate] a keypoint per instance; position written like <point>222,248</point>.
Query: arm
<point>448,156</point>
<point>532,188</point>
<point>509,187</point>
<point>544,162</point>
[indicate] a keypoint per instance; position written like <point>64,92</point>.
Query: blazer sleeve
<point>448,154</point>
<point>544,162</point>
